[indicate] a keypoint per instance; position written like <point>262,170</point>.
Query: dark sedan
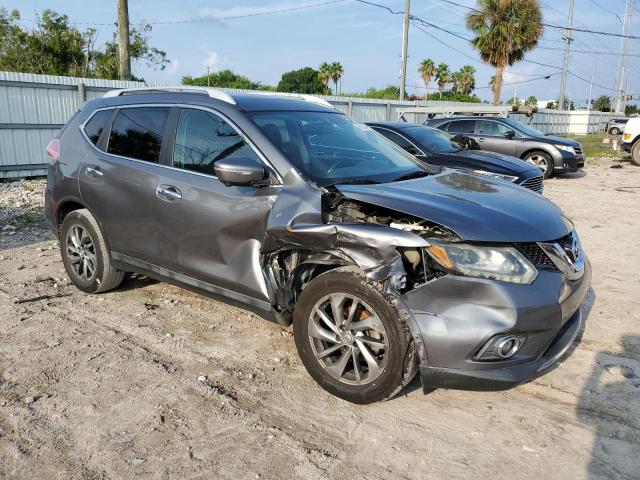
<point>439,148</point>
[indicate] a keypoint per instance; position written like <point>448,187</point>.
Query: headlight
<point>508,178</point>
<point>498,263</point>
<point>566,148</point>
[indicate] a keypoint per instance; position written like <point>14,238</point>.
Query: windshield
<point>435,141</point>
<point>331,148</point>
<point>530,131</point>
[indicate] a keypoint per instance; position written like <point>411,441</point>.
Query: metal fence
<point>34,107</point>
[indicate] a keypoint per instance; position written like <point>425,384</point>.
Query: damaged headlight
<point>498,263</point>
<point>499,176</point>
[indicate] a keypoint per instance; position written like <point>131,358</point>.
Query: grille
<point>536,255</point>
<point>534,183</point>
<point>578,150</point>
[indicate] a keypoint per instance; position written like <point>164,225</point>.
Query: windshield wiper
<point>410,175</point>
<point>352,181</point>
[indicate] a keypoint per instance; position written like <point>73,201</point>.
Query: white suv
<point>630,139</point>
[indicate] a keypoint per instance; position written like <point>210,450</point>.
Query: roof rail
<point>211,92</point>
<point>298,96</point>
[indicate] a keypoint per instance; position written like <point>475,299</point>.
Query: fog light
<point>500,347</point>
<point>508,347</point>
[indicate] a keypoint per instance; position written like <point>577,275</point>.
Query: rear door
<point>210,234</point>
<point>119,177</point>
<point>497,137</point>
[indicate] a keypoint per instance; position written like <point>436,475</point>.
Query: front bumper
<point>567,162</point>
<point>452,317</point>
<point>626,146</point>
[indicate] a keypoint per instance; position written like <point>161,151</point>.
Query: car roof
<point>243,101</point>
<point>398,125</point>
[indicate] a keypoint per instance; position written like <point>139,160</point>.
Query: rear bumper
<point>454,317</point>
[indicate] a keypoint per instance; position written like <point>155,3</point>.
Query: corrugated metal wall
<point>33,107</point>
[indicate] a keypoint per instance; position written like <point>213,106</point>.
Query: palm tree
<point>456,79</point>
<point>504,31</point>
<point>443,77</point>
<point>492,82</point>
<point>324,73</point>
<point>336,73</point>
<point>467,79</point>
<point>427,70</point>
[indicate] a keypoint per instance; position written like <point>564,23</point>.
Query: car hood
<point>559,140</point>
<point>476,208</point>
<point>498,160</point>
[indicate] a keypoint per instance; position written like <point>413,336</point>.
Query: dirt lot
<point>150,381</point>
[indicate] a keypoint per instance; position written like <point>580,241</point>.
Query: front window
<point>493,129</point>
<point>331,148</point>
<point>435,141</point>
<point>522,128</point>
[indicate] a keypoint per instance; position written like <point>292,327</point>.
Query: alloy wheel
<point>348,339</point>
<point>81,252</point>
<point>539,161</point>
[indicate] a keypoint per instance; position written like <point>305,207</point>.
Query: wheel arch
<point>70,204</point>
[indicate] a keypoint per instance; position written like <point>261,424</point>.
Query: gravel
<point>22,213</point>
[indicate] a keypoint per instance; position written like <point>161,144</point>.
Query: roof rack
<point>211,92</point>
<point>296,96</point>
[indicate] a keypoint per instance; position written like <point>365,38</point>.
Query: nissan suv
<point>289,208</point>
<point>551,154</point>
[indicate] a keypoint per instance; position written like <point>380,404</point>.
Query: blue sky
<point>365,39</point>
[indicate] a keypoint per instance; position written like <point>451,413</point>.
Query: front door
<point>497,137</point>
<point>211,234</point>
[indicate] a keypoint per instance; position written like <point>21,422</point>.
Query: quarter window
<point>465,127</point>
<point>95,126</point>
<point>203,138</point>
<point>137,133</point>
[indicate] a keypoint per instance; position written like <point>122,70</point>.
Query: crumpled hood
<point>476,208</point>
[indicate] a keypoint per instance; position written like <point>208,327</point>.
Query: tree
<point>456,79</point>
<point>336,74</point>
<point>324,73</point>
<point>492,84</point>
<point>223,79</point>
<point>442,76</point>
<point>602,103</point>
<point>531,101</point>
<point>467,80</point>
<point>427,70</point>
<point>514,101</point>
<point>630,110</point>
<point>304,80</point>
<point>504,31</point>
<point>54,47</point>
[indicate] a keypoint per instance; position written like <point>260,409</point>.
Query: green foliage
<point>54,47</point>
<point>443,76</point>
<point>453,96</point>
<point>333,71</point>
<point>390,92</point>
<point>427,70</point>
<point>222,79</point>
<point>304,80</point>
<point>504,31</point>
<point>602,103</point>
<point>531,101</point>
<point>630,110</point>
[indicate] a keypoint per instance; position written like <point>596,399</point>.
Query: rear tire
<point>542,160</point>
<point>85,255</point>
<point>360,353</point>
<point>635,153</point>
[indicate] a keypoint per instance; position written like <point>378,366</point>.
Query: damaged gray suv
<point>287,207</point>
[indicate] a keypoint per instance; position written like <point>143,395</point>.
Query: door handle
<point>168,193</point>
<point>94,172</point>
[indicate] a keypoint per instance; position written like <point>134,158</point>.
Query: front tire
<point>85,255</point>
<point>542,160</point>
<point>635,153</point>
<point>351,339</point>
<point>614,131</point>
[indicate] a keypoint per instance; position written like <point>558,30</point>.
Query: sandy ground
<point>112,387</point>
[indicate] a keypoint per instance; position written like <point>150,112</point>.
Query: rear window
<point>94,127</point>
<point>137,133</point>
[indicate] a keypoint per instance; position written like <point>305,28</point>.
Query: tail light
<point>53,149</point>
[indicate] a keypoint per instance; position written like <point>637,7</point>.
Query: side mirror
<point>510,135</point>
<point>239,171</point>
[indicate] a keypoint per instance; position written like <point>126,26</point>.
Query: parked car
<point>502,135</point>
<point>631,139</point>
<point>436,147</point>
<point>291,209</point>
<point>616,125</point>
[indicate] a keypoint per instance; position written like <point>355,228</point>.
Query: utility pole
<point>565,59</point>
<point>124,63</point>
<point>622,61</point>
<point>405,46</point>
<point>593,73</point>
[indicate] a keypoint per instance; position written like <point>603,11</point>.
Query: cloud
<point>212,60</point>
<point>173,65</point>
